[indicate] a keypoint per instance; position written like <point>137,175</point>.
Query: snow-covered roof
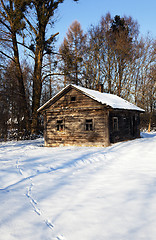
<point>108,99</point>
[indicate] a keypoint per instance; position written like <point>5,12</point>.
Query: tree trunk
<point>136,90</point>
<point>150,118</point>
<point>37,88</point>
<point>76,74</point>
<point>109,77</point>
<point>23,99</point>
<point>120,78</point>
<point>150,121</point>
<point>37,80</point>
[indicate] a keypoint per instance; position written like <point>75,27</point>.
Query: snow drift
<point>74,193</point>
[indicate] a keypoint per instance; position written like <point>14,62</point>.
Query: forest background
<point>111,52</point>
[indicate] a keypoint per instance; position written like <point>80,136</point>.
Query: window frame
<point>115,124</point>
<point>73,99</point>
<point>89,126</point>
<point>60,125</point>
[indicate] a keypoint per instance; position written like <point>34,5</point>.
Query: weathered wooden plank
<point>74,112</point>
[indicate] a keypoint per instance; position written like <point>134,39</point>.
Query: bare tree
<point>11,22</point>
<point>40,46</point>
<point>71,53</point>
<point>16,21</point>
<point>122,34</point>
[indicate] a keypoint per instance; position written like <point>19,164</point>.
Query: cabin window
<point>136,117</point>
<point>89,124</point>
<point>60,125</point>
<point>124,121</point>
<point>73,99</point>
<point>115,124</point>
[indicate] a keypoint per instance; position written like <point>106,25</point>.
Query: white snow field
<point>74,193</point>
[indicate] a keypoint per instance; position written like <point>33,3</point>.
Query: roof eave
<point>126,109</point>
<point>42,108</point>
<point>51,99</point>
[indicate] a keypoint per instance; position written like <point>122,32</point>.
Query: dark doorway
<point>132,125</point>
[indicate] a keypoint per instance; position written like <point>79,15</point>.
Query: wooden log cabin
<point>78,116</point>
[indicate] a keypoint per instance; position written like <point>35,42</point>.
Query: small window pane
<point>89,125</point>
<point>59,121</point>
<point>60,125</point>
<point>115,123</point>
<point>73,99</point>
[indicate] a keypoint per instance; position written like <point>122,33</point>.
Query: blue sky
<point>89,12</point>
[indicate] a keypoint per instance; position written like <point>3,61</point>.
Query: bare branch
<point>51,38</point>
<point>52,74</point>
<point>30,25</point>
<point>4,7</point>
<point>6,25</point>
<point>22,44</point>
<point>7,56</point>
<point>3,15</point>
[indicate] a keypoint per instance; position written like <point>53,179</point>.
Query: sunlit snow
<point>74,193</point>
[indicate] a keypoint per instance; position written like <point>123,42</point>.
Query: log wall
<point>128,125</point>
<point>73,115</point>
<point>71,110</point>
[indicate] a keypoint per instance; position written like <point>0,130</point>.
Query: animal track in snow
<point>35,207</point>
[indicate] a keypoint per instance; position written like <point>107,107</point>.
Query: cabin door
<point>133,126</point>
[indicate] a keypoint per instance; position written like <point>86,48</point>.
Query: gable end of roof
<point>109,100</point>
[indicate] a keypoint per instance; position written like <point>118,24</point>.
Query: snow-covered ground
<point>73,193</point>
